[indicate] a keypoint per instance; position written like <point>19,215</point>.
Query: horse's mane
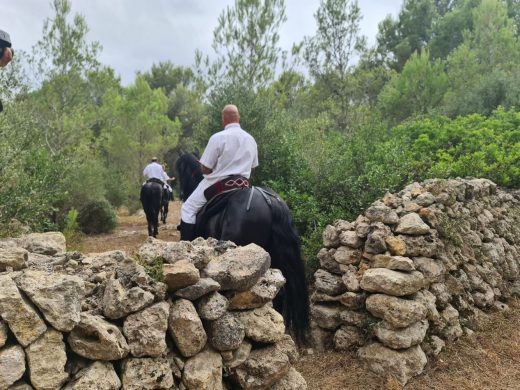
<point>189,174</point>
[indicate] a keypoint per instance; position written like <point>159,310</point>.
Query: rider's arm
<point>205,169</point>
<point>209,158</point>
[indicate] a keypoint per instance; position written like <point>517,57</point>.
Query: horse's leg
<point>155,222</point>
<point>165,211</point>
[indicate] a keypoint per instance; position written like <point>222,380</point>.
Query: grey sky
<point>136,33</point>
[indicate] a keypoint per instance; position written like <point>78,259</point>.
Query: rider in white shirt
<point>229,152</point>
<point>154,170</point>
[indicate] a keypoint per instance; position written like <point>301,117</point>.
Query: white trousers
<point>195,202</point>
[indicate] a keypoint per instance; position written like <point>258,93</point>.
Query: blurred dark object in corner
<point>5,41</point>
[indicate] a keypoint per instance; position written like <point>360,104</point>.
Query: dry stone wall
<point>417,270</point>
<point>75,322</point>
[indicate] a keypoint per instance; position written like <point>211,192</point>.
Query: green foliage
<point>399,39</point>
<point>466,146</point>
<point>419,88</point>
<point>155,269</point>
<point>71,231</point>
<point>97,217</point>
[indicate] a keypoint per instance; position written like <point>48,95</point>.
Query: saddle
<point>155,180</point>
<point>228,184</point>
<point>219,201</point>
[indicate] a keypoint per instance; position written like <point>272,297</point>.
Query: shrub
<point>71,230</point>
<point>97,217</point>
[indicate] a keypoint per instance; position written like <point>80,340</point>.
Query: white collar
<point>232,125</point>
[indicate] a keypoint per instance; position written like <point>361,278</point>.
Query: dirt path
<point>131,232</point>
<point>488,360</point>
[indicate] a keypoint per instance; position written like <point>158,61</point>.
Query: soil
<point>487,360</point>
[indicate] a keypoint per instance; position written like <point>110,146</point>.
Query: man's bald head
<point>230,115</point>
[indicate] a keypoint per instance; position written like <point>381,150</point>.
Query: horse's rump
<point>226,217</point>
<point>151,198</point>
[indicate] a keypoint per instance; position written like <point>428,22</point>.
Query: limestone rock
<point>330,237</point>
<point>391,282</point>
<point>46,359</point>
<point>263,325</point>
<point>347,338</point>
<point>382,213</point>
<point>293,380</point>
<point>328,283</point>
<point>98,375</point>
<point>15,258</point>
<point>186,328</point>
<point>402,337</point>
<point>402,365</point>
<point>212,307</point>
<point>351,281</point>
<point>375,242</point>
<point>226,333</point>
<point>288,347</point>
<point>350,239</point>
<point>240,268</point>
<point>412,224</point>
<point>21,385</point>
<point>432,345</point>
<point>321,339</point>
<point>96,339</point>
<point>397,263</point>
<point>327,317</point>
<point>203,287</point>
<point>395,245</point>
<point>50,243</point>
<point>203,371</point>
<point>180,275</point>
<point>239,355</point>
<point>351,300</point>
<point>425,245</point>
<point>264,291</point>
<point>12,365</point>
<point>327,262</point>
<point>145,331</point>
<point>18,313</point>
<point>432,269</point>
<point>3,333</point>
<point>356,318</point>
<point>263,368</point>
<point>118,302</point>
<point>398,312</point>
<point>345,255</point>
<point>147,374</point>
<point>58,296</point>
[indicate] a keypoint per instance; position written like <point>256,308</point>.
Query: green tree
<point>246,44</point>
<point>482,70</point>
<point>398,39</point>
<point>136,128</point>
<point>417,90</point>
<point>330,54</point>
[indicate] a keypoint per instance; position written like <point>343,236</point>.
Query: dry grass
<point>489,359</point>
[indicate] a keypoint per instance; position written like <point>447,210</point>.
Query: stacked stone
<point>74,322</point>
<point>416,270</point>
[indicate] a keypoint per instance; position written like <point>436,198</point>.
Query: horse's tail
<point>284,248</point>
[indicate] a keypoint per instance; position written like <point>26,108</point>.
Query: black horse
<point>151,199</point>
<point>165,202</point>
<point>258,216</point>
